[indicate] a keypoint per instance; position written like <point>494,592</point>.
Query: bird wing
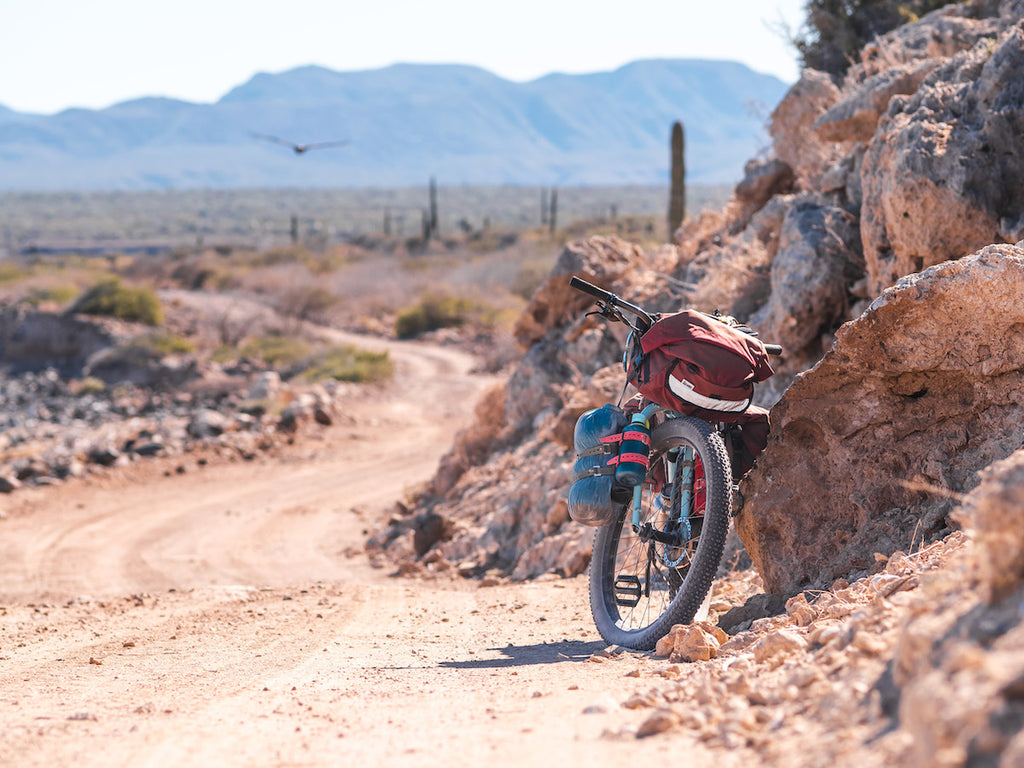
<point>322,144</point>
<point>276,140</point>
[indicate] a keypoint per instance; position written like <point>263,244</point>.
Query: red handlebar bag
<point>699,366</point>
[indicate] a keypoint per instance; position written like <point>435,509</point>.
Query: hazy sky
<point>93,53</point>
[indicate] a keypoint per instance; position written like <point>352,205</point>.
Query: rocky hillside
<point>879,244</point>
<point>815,237</point>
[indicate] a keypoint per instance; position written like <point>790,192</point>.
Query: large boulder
<point>599,260</point>
<point>855,116</point>
<point>944,173</point>
<point>869,447</point>
<point>965,652</point>
<point>818,258</point>
<point>32,340</point>
<point>796,143</point>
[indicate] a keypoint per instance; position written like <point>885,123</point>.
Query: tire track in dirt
<point>226,627</point>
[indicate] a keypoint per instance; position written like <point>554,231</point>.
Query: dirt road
<point>225,615</point>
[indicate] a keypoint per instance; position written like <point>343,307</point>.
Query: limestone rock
<point>208,423</point>
<point>943,174</point>
<point>994,511</point>
<point>792,128</point>
<point>781,642</point>
<point>818,258</point>
<point>598,260</point>
<point>31,339</point>
<point>762,181</point>
<point>855,117</point>
<point>920,392</point>
<point>699,641</point>
<point>265,386</point>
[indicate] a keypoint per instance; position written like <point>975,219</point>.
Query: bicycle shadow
<point>571,651</point>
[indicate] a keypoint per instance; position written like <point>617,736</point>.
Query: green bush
<point>109,298</point>
<point>164,343</point>
<point>11,272</point>
<point>439,310</point>
<point>61,294</point>
<point>348,363</point>
<point>275,350</point>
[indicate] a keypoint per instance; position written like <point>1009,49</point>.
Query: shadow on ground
<point>528,655</point>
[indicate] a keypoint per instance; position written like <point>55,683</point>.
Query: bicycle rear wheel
<point>642,582</point>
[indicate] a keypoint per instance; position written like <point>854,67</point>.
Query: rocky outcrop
<point>910,161</point>
<point>944,172</point>
<point>818,259</point>
<point>792,128</point>
<point>917,395</point>
<point>32,340</point>
<point>855,117</point>
<point>967,654</point>
<point>600,260</point>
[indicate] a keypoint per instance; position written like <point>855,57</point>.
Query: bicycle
<point>656,556</point>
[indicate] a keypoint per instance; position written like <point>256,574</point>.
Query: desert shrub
<point>58,294</point>
<point>11,272</point>
<point>276,350</point>
<point>836,30</point>
<point>90,385</point>
<point>109,298</point>
<point>164,343</point>
<point>348,363</point>
<point>440,310</point>
<point>306,301</point>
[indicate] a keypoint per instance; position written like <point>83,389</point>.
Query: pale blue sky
<point>92,53</point>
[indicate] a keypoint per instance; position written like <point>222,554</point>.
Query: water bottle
<point>634,453</point>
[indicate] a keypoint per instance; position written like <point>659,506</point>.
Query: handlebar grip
<point>593,290</point>
<point>773,349</point>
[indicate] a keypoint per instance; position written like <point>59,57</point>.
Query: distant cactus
<point>294,230</point>
<point>677,192</point>
<point>553,214</point>
<point>543,206</point>
<point>433,206</point>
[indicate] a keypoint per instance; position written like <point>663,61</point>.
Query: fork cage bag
<point>594,496</point>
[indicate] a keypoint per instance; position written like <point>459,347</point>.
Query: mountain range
<point>405,123</point>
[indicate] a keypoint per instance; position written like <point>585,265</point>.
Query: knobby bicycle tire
<point>638,590</point>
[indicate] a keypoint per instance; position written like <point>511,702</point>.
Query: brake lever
<point>608,313</point>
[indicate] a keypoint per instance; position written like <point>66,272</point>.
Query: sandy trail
<point>226,616</point>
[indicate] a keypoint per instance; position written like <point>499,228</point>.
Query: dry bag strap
<point>607,445</point>
<point>607,469</point>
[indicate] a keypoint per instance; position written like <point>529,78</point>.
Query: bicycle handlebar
<point>609,298</point>
<point>614,301</point>
<point>593,290</point>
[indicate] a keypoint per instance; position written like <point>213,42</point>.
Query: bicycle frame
<point>683,460</point>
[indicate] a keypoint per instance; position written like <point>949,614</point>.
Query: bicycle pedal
<point>628,590</point>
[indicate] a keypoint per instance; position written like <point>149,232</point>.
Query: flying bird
<point>300,148</point>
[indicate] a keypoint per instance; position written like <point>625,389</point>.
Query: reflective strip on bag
<point>684,391</point>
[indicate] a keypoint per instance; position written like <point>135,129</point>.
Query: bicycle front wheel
<point>646,579</point>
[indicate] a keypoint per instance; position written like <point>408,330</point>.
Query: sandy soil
<point>173,613</point>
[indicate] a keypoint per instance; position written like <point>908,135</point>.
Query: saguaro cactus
<point>553,214</point>
<point>433,205</point>
<point>677,191</point>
